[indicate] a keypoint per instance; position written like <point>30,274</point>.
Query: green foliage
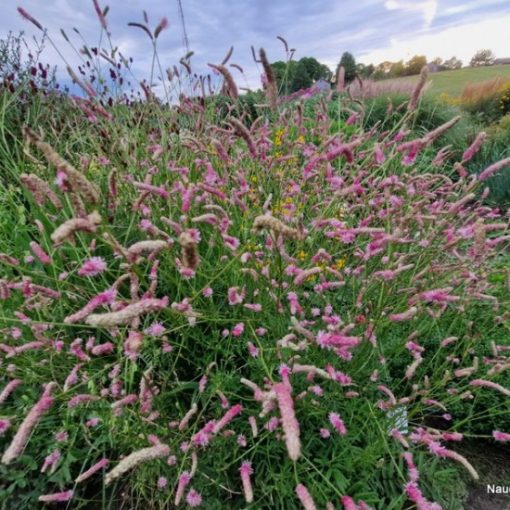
<point>390,111</point>
<point>495,148</point>
<point>301,79</point>
<point>482,58</point>
<point>284,73</point>
<point>174,148</point>
<point>365,71</point>
<point>486,101</point>
<point>349,64</point>
<point>453,82</point>
<point>315,69</point>
<point>415,64</point>
<point>398,69</point>
<point>297,75</point>
<point>452,63</point>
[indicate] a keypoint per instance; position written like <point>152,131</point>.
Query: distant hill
<point>452,82</point>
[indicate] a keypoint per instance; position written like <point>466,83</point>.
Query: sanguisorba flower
<point>162,482</point>
<point>501,436</point>
<point>40,253</point>
<point>22,436</point>
<point>182,483</point>
<point>102,464</point>
<point>289,422</point>
<point>136,458</point>
<point>57,497</point>
<point>246,471</point>
<point>4,425</point>
<point>305,497</point>
<point>92,267</point>
<point>193,498</point>
<point>338,423</point>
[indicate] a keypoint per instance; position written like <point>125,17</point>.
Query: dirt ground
<point>479,500</point>
<point>493,465</point>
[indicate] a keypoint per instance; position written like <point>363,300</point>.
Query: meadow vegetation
<point>453,82</point>
<point>239,301</point>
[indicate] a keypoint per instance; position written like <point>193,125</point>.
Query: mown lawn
<point>452,82</point>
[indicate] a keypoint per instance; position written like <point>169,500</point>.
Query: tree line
<point>300,74</point>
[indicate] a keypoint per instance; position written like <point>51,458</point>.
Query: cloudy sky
<point>373,30</point>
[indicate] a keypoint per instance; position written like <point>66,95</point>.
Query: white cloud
<point>428,8</point>
<point>373,30</point>
<point>462,41</point>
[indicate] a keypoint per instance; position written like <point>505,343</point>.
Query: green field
<point>452,82</point>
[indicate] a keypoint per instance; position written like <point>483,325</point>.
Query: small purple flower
<point>253,350</point>
<point>92,267</point>
<point>155,329</point>
<point>238,329</point>
<point>193,498</point>
<point>61,436</point>
<point>325,433</point>
<point>4,425</point>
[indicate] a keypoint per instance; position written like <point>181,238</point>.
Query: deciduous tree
<point>482,58</point>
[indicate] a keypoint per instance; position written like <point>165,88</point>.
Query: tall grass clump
<point>369,89</point>
<point>486,101</point>
<point>264,316</point>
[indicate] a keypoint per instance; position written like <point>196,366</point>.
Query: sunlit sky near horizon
<point>373,30</point>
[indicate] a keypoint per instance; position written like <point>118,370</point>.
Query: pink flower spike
<point>193,498</point>
<point>61,437</point>
<point>246,471</point>
<point>184,480</point>
<point>325,433</point>
<point>22,436</point>
<point>227,418</point>
<point>92,267</point>
<point>102,464</point>
<point>501,436</point>
<point>40,253</point>
<point>9,388</point>
<point>349,503</point>
<point>57,497</point>
<point>253,350</point>
<point>305,497</point>
<point>51,461</point>
<point>337,422</point>
<point>162,482</point>
<point>4,425</point>
<point>289,422</point>
<point>155,329</point>
<point>100,14</point>
<point>238,329</point>
<point>28,17</point>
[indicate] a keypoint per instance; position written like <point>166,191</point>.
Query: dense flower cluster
<point>214,294</point>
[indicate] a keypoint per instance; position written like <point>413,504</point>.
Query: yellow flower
<point>278,136</point>
<point>339,264</point>
<point>301,255</point>
<point>301,139</point>
<point>254,179</point>
<point>93,167</point>
<point>341,213</point>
